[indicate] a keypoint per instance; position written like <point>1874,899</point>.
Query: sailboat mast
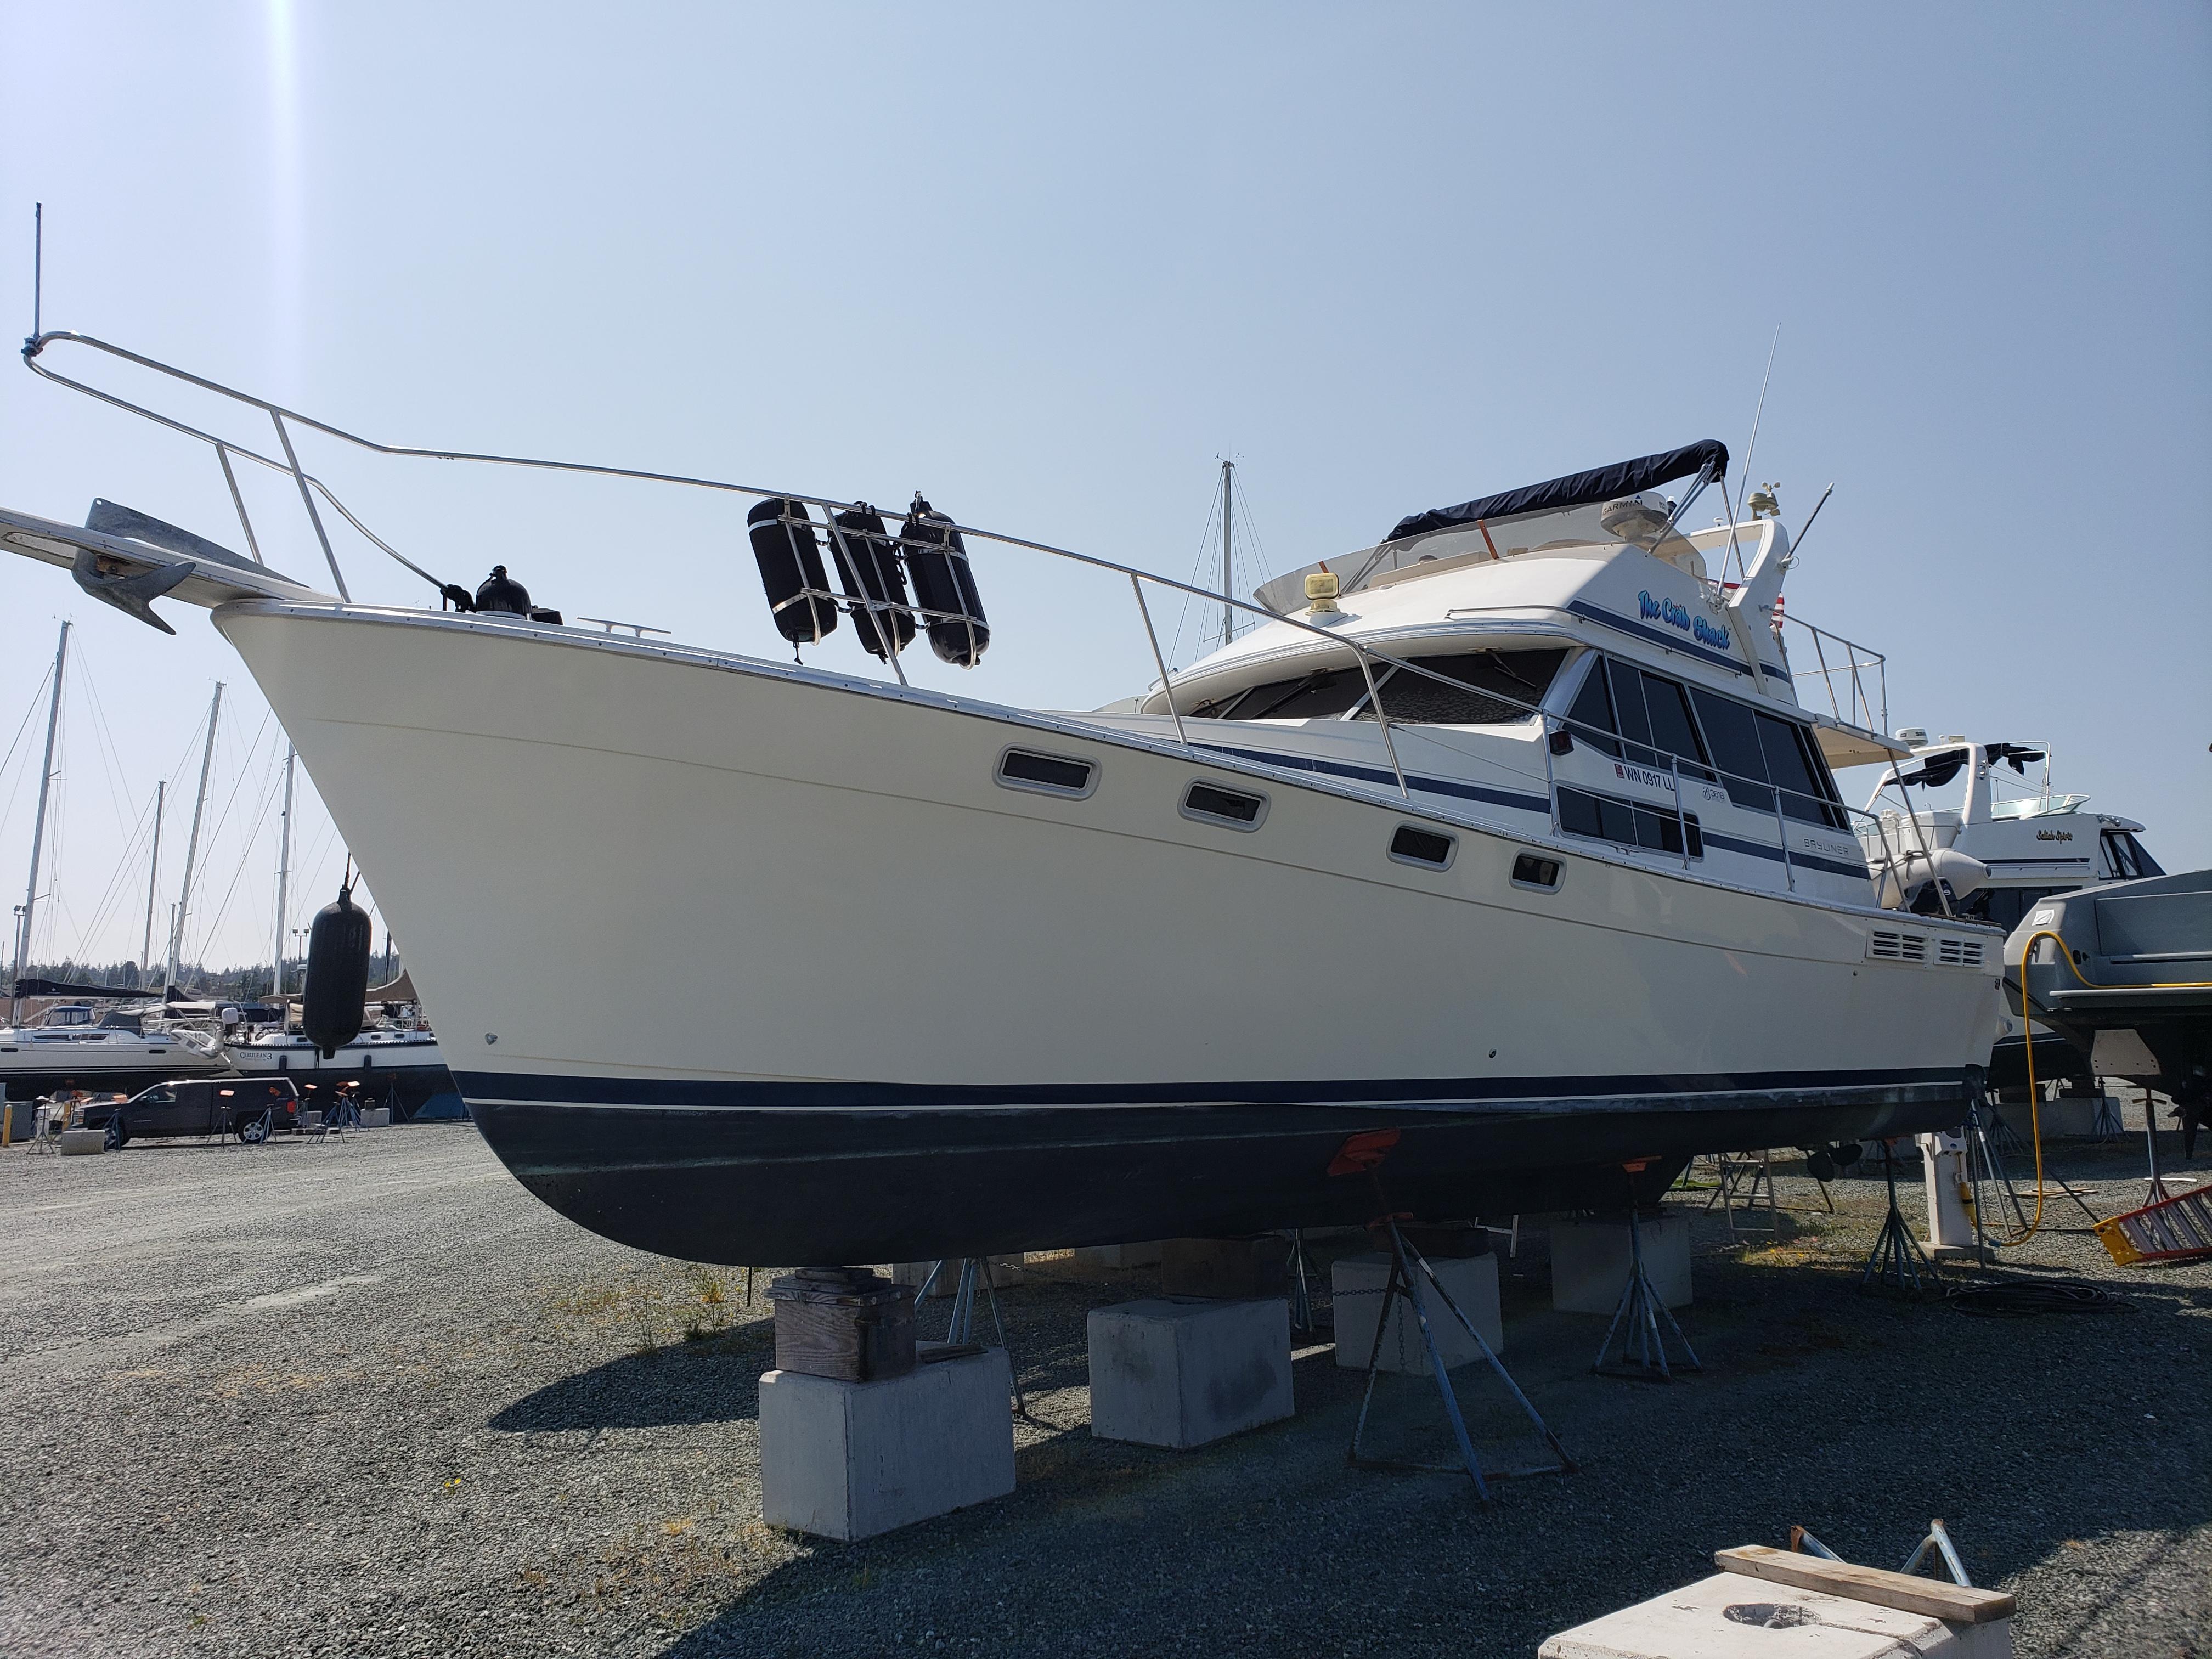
<point>1228,550</point>
<point>193,842</point>
<point>153,881</point>
<point>284,876</point>
<point>38,831</point>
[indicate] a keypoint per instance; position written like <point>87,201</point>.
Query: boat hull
<point>876,1006</point>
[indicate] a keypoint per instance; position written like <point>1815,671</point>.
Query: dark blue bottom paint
<point>760,1175</point>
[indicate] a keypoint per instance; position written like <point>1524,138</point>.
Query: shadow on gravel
<point>667,1387</point>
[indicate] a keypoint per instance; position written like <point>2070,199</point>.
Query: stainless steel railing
<point>1858,662</point>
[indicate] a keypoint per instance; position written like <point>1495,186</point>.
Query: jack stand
<point>1404,1284</point>
<point>1896,1260</point>
<point>960,1328</point>
<point>2157,1193</point>
<point>1643,1347</point>
<point>1301,1272</point>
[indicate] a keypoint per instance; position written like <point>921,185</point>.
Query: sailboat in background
<point>74,1046</point>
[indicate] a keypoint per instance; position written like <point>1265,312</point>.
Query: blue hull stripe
<point>1414,1093</point>
<point>1514,799</point>
<point>1805,860</point>
<point>1673,642</point>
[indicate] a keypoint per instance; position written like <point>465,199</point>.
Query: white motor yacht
<point>1508,845</point>
<point>1981,800</point>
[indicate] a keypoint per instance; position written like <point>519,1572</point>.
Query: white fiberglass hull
<point>38,1060</point>
<point>745,962</point>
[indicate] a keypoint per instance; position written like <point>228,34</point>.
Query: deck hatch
<point>1209,803</point>
<point>1049,775</point>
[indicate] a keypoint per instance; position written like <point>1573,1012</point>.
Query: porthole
<point>1209,803</point>
<point>1426,847</point>
<point>1532,870</point>
<point>1048,774</point>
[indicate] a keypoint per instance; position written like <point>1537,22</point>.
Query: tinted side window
<point>1672,731</point>
<point>1733,732</point>
<point>1628,709</point>
<point>1786,765</point>
<point>1592,708</point>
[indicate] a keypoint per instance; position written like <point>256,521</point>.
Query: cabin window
<point>1049,775</point>
<point>1592,712</point>
<point>1783,743</point>
<point>1317,696</point>
<point>1530,870</point>
<point>1210,803</point>
<point>1495,688</point>
<point>1733,732</point>
<point>1423,847</point>
<point>1601,818</point>
<point>2125,860</point>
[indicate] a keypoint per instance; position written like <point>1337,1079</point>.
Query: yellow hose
<point>2027,1033</point>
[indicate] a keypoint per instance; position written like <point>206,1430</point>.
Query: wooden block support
<point>1954,1603</point>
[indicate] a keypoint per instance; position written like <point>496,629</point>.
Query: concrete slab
<point>850,1460</point>
<point>1590,1262</point>
<point>1181,1374</point>
<point>1730,1616</point>
<point>1356,1282</point>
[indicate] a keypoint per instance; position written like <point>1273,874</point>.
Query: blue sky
<point>1046,264</point>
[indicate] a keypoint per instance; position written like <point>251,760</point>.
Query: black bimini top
<point>1604,483</point>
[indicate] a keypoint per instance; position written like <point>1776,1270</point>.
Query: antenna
<point>38,267</point>
<point>1751,448</point>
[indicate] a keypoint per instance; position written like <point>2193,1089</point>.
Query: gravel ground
<point>372,1398</point>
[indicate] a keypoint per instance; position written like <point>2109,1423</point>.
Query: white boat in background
<point>1512,847</point>
<point>2030,843</point>
<point>74,1047</point>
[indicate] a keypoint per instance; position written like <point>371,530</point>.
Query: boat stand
<point>1300,1272</point>
<point>1405,1285</point>
<point>960,1328</point>
<point>1643,1343</point>
<point>1897,1261</point>
<point>1986,1162</point>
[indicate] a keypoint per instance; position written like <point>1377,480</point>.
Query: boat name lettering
<point>1643,775</point>
<point>2054,835</point>
<point>1675,615</point>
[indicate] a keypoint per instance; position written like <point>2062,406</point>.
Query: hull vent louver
<point>1887,946</point>
<point>1960,952</point>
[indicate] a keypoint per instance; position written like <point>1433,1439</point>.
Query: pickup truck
<point>200,1106</point>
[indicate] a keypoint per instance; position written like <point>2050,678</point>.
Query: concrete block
<point>376,1117</point>
<point>1180,1374</point>
<point>2069,1117</point>
<point>1590,1262</point>
<point>1119,1255</point>
<point>1730,1616</point>
<point>310,1120</point>
<point>77,1142</point>
<point>850,1460</point>
<point>1356,1284</point>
